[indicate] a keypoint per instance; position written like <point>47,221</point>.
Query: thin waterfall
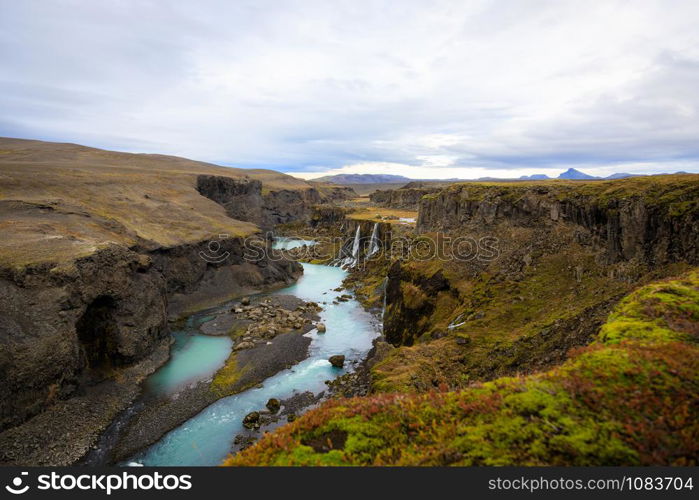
<point>355,247</point>
<point>374,242</point>
<point>457,322</point>
<point>352,259</point>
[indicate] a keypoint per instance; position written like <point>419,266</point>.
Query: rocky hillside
<point>246,199</point>
<point>519,280</point>
<point>406,198</point>
<point>629,398</point>
<point>99,249</point>
<point>526,272</point>
<point>653,219</point>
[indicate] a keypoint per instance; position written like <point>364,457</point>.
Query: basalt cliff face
<point>405,198</point>
<point>327,217</point>
<point>244,199</point>
<point>99,250</point>
<point>64,328</point>
<point>594,237</point>
<point>653,220</point>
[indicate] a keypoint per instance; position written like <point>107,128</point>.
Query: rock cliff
<point>244,199</point>
<point>404,198</point>
<point>655,220</point>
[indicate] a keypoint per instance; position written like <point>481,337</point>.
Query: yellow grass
<point>61,201</point>
<point>378,214</point>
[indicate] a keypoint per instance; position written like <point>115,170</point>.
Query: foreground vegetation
<point>629,398</point>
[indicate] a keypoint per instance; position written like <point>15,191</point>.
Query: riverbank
<point>208,437</point>
<point>186,384</point>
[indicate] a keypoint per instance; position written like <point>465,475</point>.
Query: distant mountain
<point>622,175</point>
<point>534,177</point>
<point>362,179</point>
<point>576,175</point>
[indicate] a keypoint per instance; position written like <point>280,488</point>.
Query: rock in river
<point>338,361</point>
<point>251,420</point>
<point>273,405</point>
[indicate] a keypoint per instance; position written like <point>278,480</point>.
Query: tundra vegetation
<point>570,339</point>
<point>578,345</point>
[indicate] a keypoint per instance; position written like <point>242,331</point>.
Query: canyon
<point>539,350</point>
<point>101,250</point>
<point>484,323</point>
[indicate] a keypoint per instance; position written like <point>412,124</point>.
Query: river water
<point>206,438</point>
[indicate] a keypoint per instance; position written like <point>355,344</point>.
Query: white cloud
<point>312,86</point>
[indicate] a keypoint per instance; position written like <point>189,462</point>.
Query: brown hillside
<point>60,201</point>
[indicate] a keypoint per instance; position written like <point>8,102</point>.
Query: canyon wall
<point>588,241</point>
<point>403,198</point>
<point>327,217</point>
<point>245,199</point>
<point>655,221</point>
<point>75,325</point>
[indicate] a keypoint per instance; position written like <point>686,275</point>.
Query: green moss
<point>511,324</point>
<point>663,311</point>
<point>620,401</point>
<point>413,297</point>
<point>227,377</point>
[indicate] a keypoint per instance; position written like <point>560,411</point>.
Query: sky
<point>424,89</point>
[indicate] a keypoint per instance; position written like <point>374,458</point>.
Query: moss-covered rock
<point>630,398</point>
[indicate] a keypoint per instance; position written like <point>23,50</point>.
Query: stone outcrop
<point>327,217</point>
<point>244,199</point>
<point>654,221</point>
<point>241,197</point>
<point>403,325</point>
<point>404,198</point>
<point>63,328</point>
<point>68,331</point>
<point>338,360</point>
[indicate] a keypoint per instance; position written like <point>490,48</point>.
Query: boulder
<point>244,345</point>
<point>321,327</point>
<point>251,420</point>
<point>273,405</point>
<point>338,360</point>
<point>438,333</point>
<point>245,301</point>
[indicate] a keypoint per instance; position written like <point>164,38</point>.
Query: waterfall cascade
<point>355,247</point>
<point>457,322</point>
<point>374,242</point>
<point>352,259</point>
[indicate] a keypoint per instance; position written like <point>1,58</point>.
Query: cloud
<point>446,88</point>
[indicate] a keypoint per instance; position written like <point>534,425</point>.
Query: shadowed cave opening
<point>97,332</point>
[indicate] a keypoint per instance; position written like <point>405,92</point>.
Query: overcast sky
<point>426,89</point>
